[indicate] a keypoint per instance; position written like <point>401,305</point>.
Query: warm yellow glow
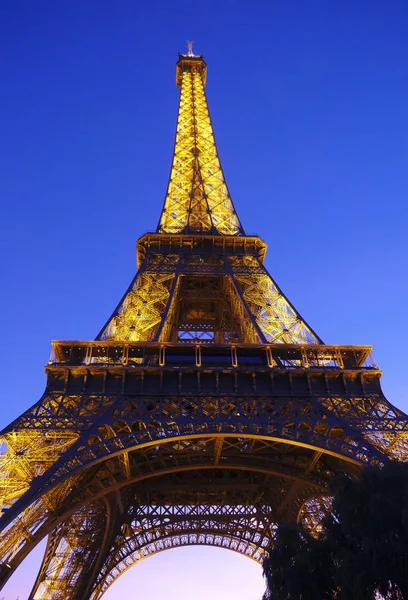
<point>141,310</point>
<point>197,197</point>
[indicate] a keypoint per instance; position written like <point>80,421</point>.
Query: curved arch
<point>82,457</point>
<point>180,467</point>
<point>170,456</point>
<point>325,433</point>
<point>253,549</point>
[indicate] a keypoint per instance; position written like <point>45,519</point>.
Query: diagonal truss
<point>275,317</point>
<point>139,315</point>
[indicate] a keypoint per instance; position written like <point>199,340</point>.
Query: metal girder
<point>275,317</point>
<point>313,510</point>
<point>294,489</point>
<point>71,554</point>
<point>139,313</point>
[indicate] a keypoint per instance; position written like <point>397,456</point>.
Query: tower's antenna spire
<point>190,48</point>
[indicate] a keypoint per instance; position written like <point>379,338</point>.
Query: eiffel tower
<point>205,412</point>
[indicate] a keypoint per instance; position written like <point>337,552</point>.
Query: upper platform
<point>189,63</point>
<point>197,244</point>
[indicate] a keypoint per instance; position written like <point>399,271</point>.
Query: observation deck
<point>213,356</point>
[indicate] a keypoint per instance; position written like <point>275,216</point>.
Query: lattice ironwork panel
<point>275,316</point>
<point>197,198</point>
<point>140,312</point>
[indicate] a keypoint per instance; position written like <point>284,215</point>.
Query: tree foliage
<point>362,550</point>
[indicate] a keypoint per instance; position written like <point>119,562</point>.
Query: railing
<point>221,356</point>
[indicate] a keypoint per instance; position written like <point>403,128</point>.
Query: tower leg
<point>73,554</point>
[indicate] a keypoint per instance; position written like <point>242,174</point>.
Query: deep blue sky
<point>309,104</point>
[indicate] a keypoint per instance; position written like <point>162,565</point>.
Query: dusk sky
<point>309,106</point>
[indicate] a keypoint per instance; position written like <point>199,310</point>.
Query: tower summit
<point>197,198</point>
<point>206,411</point>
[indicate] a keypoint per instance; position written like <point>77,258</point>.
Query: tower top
<point>197,199</point>
<point>190,62</point>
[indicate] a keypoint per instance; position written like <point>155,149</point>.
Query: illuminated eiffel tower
<point>205,412</point>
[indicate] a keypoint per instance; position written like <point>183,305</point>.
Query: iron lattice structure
<point>206,410</point>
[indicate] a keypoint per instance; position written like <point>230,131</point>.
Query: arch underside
<point>249,541</point>
<point>225,478</point>
<point>227,508</point>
